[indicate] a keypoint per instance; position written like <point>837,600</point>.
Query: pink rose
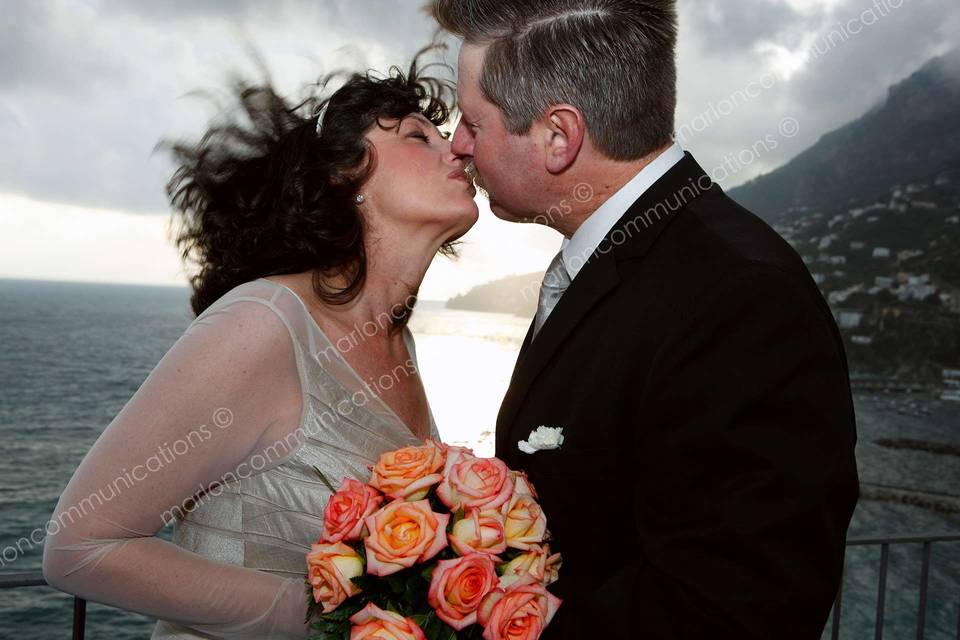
<point>474,483</point>
<point>329,569</point>
<point>537,563</point>
<point>521,612</point>
<point>403,534</point>
<point>522,484</point>
<point>525,524</point>
<point>408,473</point>
<point>374,623</point>
<point>459,585</point>
<point>480,531</point>
<point>345,511</point>
<point>551,572</point>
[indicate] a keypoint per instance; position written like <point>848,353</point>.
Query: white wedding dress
<point>249,399</point>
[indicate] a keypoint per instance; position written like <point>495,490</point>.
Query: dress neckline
<point>407,338</point>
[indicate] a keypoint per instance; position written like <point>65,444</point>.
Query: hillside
<point>514,294</point>
<point>890,268</point>
<point>913,134</point>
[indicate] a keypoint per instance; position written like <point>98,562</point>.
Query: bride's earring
<point>359,199</point>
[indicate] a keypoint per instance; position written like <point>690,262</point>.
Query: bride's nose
<point>452,158</point>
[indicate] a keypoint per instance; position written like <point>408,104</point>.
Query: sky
<point>89,87</point>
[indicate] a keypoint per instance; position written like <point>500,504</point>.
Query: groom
<point>707,475</point>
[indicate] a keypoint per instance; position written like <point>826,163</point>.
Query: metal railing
<point>35,579</point>
<point>884,543</point>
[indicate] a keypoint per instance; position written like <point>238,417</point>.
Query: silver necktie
<point>555,282</point>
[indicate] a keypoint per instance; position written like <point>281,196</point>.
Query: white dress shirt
<point>577,249</point>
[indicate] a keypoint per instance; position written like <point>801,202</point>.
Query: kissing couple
<point>697,461</point>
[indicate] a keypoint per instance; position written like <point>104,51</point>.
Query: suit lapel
<point>595,280</point>
<point>631,237</point>
<point>524,347</point>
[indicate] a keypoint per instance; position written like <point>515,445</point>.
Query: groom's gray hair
<point>615,60</point>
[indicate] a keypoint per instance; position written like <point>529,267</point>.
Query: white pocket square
<point>542,439</point>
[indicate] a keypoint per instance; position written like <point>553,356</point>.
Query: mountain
<point>874,209</point>
<point>514,294</point>
<point>913,134</point>
<point>890,268</point>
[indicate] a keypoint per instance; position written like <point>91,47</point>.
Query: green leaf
<point>396,582</point>
<point>336,624</point>
<point>435,504</point>
<point>368,583</point>
<point>510,554</point>
<point>413,593</point>
<point>427,572</point>
<point>323,479</point>
<point>330,630</point>
<point>473,632</point>
<point>313,608</point>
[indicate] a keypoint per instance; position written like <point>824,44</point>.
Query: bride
<point>311,240</point>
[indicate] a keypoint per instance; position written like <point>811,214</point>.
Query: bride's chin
<point>462,230</point>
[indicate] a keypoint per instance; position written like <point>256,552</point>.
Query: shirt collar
<point>577,249</point>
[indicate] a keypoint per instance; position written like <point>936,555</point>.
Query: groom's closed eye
<point>467,122</point>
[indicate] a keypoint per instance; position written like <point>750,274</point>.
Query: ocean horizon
<point>73,353</point>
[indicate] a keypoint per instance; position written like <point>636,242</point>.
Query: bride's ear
<point>563,130</point>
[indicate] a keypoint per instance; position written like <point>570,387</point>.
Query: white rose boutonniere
<point>541,439</point>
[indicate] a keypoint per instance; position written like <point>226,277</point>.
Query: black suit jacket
<point>707,475</point>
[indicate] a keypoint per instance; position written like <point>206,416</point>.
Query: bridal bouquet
<point>440,544</point>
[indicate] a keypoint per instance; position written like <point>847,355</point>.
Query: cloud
<point>815,70</point>
<point>726,26</point>
<point>88,87</point>
<point>42,45</point>
<point>175,10</point>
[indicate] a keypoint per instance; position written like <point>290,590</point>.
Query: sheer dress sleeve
<point>226,392</point>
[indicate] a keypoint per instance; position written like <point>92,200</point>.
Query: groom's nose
<point>462,140</point>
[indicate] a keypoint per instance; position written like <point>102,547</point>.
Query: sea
<point>72,354</point>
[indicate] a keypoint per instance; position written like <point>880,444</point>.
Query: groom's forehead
<point>470,64</point>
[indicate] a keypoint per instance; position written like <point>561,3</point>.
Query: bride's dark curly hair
<point>275,194</point>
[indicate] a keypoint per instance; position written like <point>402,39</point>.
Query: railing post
<point>958,618</point>
<point>924,579</point>
<point>882,588</point>
<point>835,634</point>
<point>79,617</point>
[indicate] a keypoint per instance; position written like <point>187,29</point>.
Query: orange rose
<point>474,483</point>
<point>459,585</point>
<point>521,612</point>
<point>408,473</point>
<point>329,569</point>
<point>537,563</point>
<point>480,531</point>
<point>345,511</point>
<point>525,524</point>
<point>372,622</point>
<point>403,534</point>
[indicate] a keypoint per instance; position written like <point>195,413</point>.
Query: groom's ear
<point>564,130</point>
